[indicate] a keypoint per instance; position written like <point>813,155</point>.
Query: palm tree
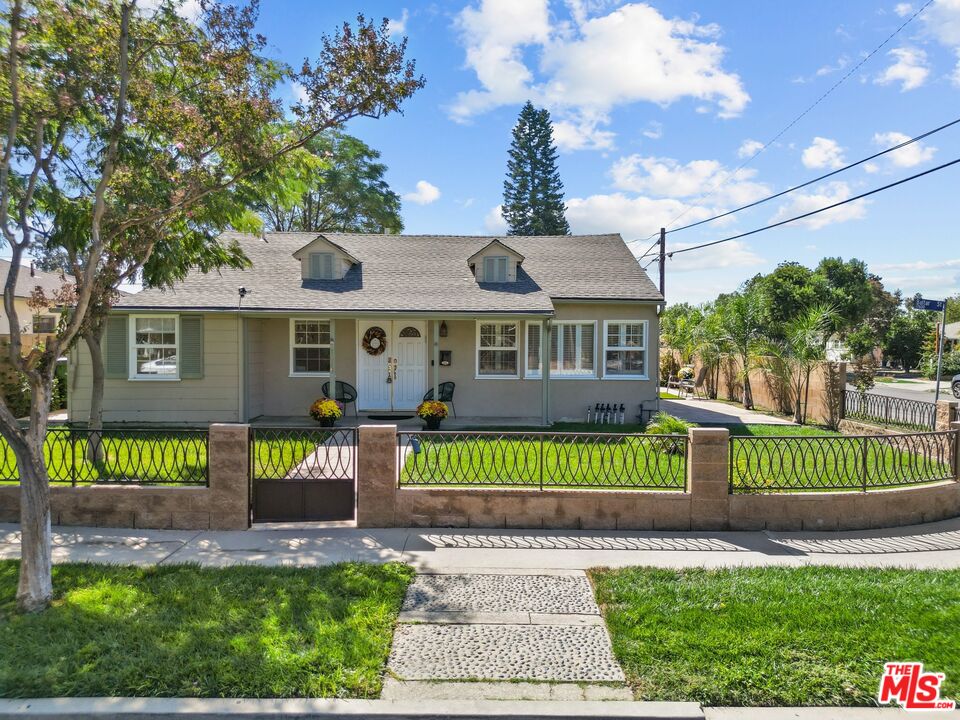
<point>740,318</point>
<point>803,347</point>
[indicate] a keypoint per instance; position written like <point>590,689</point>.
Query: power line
<point>815,212</point>
<point>720,183</point>
<point>818,179</point>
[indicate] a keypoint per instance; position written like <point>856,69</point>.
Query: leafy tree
<point>953,308</point>
<point>848,291</point>
<point>905,339</point>
<point>340,188</point>
<point>533,193</point>
<point>126,128</point>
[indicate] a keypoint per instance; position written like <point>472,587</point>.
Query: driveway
<point>704,412</point>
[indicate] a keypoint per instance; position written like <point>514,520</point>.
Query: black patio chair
<point>446,395</point>
<point>346,394</point>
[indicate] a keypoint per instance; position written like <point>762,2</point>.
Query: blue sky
<point>656,103</point>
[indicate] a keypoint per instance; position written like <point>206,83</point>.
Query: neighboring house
<point>33,324</point>
<point>394,316</point>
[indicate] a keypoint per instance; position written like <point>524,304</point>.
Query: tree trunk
<point>806,398</point>
<point>35,588</point>
<point>94,340</point>
<point>797,410</point>
<point>747,390</point>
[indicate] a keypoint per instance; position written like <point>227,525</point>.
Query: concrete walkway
<point>934,545</point>
<point>711,411</point>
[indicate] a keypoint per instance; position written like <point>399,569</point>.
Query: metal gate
<point>301,474</point>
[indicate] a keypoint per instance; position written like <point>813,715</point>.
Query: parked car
<point>955,384</point>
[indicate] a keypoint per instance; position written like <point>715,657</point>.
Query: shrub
<point>951,365</point>
<point>663,423</point>
<point>668,366</point>
<point>16,393</point>
<point>59,387</point>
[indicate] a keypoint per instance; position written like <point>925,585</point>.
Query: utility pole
<point>663,261</point>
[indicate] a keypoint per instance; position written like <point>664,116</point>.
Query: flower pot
<point>327,421</point>
<point>433,423</point>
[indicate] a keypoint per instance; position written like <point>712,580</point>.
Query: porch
<point>404,421</point>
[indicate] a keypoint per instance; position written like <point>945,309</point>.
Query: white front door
<point>406,346</point>
<point>410,352</point>
<point>373,392</point>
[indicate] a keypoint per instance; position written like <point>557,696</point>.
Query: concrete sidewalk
<point>934,545</point>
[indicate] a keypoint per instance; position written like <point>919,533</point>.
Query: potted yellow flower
<point>326,411</point>
<point>432,412</point>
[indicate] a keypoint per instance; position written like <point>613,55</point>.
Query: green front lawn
<point>778,636</point>
<point>183,631</point>
<point>128,455</point>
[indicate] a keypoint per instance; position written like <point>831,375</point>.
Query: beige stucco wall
<point>25,315</point>
<point>213,398</point>
<point>286,395</point>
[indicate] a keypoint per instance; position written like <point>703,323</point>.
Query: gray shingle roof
<point>49,281</point>
<point>413,273</point>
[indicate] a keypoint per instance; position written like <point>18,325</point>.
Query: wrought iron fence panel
<point>888,410</point>
<point>148,456</point>
<point>290,453</point>
<point>542,459</point>
<point>803,463</point>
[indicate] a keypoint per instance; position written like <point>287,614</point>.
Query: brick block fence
<point>223,505</point>
<point>706,503</point>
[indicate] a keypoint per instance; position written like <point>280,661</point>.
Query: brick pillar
<point>376,475</point>
<point>228,460</point>
<point>946,414</point>
<point>708,477</point>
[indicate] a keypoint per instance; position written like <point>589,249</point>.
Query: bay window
<point>625,349</point>
<point>497,349</point>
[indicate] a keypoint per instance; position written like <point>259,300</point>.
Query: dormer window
<point>495,268</point>
<point>321,266</point>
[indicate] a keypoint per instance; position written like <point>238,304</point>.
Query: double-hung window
<point>44,324</point>
<point>154,347</point>
<point>497,349</point>
<point>572,349</point>
<point>625,349</point>
<point>495,269</point>
<point>309,347</point>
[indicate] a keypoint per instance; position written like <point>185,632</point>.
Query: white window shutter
<point>327,266</point>
<point>315,265</point>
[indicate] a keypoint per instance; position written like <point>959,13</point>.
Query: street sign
<point>935,305</point>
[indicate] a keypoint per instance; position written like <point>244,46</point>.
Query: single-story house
<point>34,323</point>
<point>526,327</point>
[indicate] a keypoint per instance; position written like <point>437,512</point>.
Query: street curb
<point>253,709</point>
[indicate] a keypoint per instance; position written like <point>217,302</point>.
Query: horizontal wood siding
<point>212,398</point>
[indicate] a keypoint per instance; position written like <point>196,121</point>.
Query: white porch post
<point>545,329</point>
<point>333,359</point>
<point>436,359</point>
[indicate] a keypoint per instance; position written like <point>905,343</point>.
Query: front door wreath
<point>374,341</point>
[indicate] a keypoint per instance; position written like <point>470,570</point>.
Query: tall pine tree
<point>533,193</point>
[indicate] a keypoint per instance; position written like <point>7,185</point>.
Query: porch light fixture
<point>443,328</point>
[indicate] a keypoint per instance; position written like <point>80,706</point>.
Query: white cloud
<point>823,153</point>
<point>749,148</point>
<point>919,265</point>
<point>494,222</point>
<point>733,254</point>
<point>910,69</point>
<point>187,9</point>
<point>666,177</point>
<point>826,195</point>
<point>906,157</point>
<point>654,130</point>
<point>582,133</point>
<point>299,93</point>
<point>871,167</point>
<point>903,9</point>
<point>587,68</point>
<point>943,20</point>
<point>398,26</point>
<point>425,193</point>
<point>633,217</point>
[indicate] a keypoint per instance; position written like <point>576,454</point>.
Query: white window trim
<point>536,374</point>
<point>644,348</point>
<point>477,348</point>
<point>292,347</point>
<point>132,349</point>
